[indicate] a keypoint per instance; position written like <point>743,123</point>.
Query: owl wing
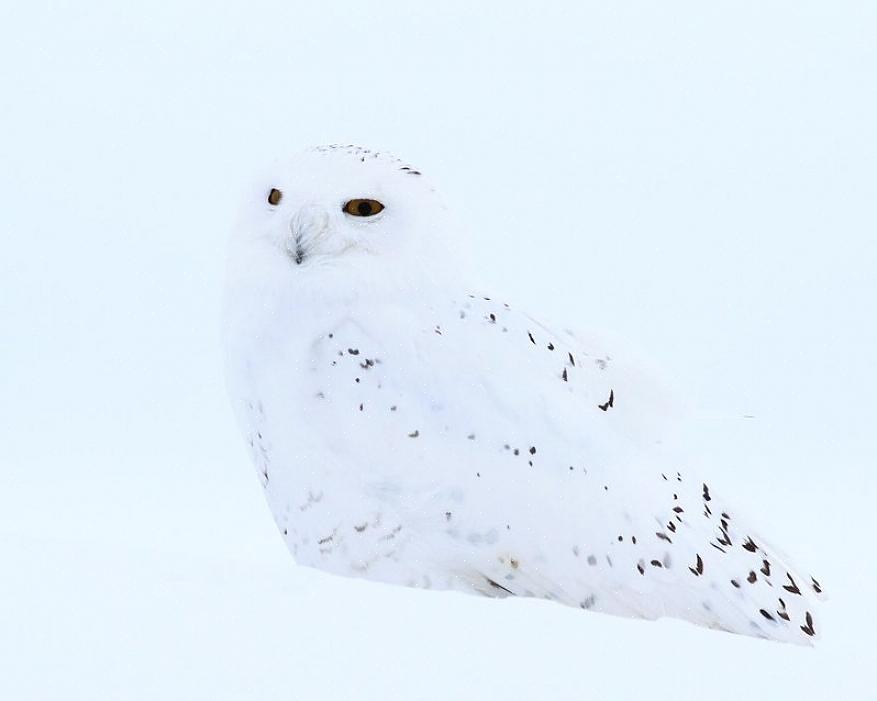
<point>527,463</point>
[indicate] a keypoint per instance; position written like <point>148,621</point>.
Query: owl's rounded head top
<point>345,212</point>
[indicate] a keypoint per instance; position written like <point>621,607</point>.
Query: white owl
<point>408,430</point>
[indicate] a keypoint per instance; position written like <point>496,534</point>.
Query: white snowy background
<point>698,179</point>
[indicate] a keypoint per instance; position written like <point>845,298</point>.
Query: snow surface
<point>718,165</point>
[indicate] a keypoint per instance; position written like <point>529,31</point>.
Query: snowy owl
<point>410,430</point>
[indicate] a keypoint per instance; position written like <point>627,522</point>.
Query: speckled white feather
<point>408,430</point>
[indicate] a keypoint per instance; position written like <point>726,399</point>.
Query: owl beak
<point>307,228</point>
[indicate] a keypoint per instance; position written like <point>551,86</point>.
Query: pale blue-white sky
<point>698,180</point>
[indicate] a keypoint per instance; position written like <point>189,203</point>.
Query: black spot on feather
<point>781,611</point>
<point>495,585</point>
<point>791,587</point>
<point>808,629</point>
<point>609,402</point>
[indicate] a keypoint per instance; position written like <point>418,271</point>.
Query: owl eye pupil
<point>364,208</point>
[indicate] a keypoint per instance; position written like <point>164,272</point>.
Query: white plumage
<point>409,430</point>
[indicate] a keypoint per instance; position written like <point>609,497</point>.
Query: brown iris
<point>363,208</point>
<point>274,196</point>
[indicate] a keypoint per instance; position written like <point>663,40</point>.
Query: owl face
<point>343,207</point>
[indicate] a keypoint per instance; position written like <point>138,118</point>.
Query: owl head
<point>345,217</point>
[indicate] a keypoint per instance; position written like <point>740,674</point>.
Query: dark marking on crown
<point>360,154</point>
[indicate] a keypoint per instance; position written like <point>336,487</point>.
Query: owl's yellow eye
<point>363,208</point>
<point>274,196</point>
